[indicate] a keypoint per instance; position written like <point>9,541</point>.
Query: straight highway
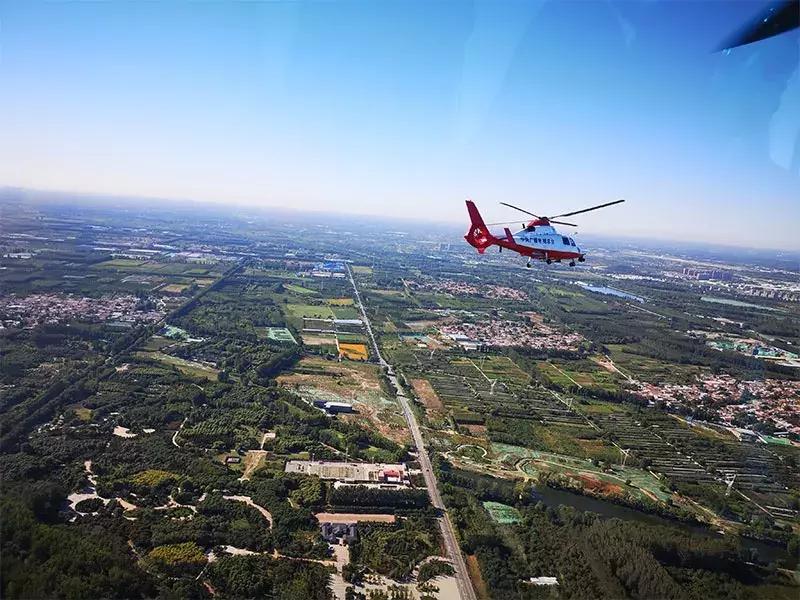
<point>445,525</point>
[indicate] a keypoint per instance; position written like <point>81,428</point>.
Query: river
<point>554,497</point>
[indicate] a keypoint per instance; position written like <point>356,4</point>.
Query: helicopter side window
<point>571,242</point>
<point>565,239</point>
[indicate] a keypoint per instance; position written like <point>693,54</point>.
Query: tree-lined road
<point>445,525</point>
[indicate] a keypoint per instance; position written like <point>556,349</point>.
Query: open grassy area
<point>340,301</point>
<point>300,290</point>
<point>193,369</point>
<point>346,312</point>
<point>309,311</point>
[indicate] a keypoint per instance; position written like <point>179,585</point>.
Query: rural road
<point>445,525</point>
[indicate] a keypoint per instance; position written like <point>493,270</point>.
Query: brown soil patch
<point>318,340</point>
<point>421,325</point>
<point>535,317</point>
<point>477,430</point>
<point>425,392</point>
<point>475,577</point>
<point>603,363</point>
<point>353,518</point>
<point>252,461</point>
<point>333,377</point>
<point>396,433</point>
<point>601,487</point>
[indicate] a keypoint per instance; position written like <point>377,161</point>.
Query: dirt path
<point>609,365</point>
<point>175,435</point>
<point>564,373</point>
<point>249,501</point>
<point>252,460</point>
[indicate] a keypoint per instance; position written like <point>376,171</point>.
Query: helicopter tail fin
<point>478,235</point>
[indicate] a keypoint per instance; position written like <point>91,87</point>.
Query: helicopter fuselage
<point>536,240</point>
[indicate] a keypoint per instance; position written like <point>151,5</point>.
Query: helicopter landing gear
<point>528,264</point>
<point>549,262</point>
<point>572,263</point>
<point>581,259</point>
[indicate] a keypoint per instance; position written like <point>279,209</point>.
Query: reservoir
<point>609,291</point>
<point>608,510</point>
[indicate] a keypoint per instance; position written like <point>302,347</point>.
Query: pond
<point>767,552</point>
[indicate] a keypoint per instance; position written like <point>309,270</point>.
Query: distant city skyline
<point>407,109</point>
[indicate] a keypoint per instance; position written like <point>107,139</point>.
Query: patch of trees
<point>186,558</point>
<point>42,560</point>
<point>434,568</point>
<point>606,558</point>
<point>89,505</point>
<point>265,577</point>
<point>362,496</point>
<point>395,549</point>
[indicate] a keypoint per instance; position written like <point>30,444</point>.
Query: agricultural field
<point>298,312</point>
<point>340,301</point>
<point>579,374</point>
<point>353,351</point>
<point>651,369</point>
<point>277,334</point>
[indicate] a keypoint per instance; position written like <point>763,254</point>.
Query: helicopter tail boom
<point>478,235</point>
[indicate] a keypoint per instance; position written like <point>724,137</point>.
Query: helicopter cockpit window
<point>565,239</point>
<point>571,242</point>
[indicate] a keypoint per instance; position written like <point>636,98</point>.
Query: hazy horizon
<point>406,110</point>
<point>455,227</point>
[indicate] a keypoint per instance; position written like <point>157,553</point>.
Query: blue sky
<point>407,108</point>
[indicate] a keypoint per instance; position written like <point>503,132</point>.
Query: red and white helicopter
<point>538,239</point>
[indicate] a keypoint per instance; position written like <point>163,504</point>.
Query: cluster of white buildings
<point>460,288</point>
<point>493,332</point>
<point>773,401</point>
<point>42,309</point>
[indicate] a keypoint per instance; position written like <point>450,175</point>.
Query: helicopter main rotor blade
<point>503,223</point>
<point>577,212</point>
<point>563,223</point>
<point>527,212</point>
<point>776,19</point>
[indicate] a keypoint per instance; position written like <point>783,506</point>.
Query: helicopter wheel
<point>581,259</point>
<point>572,263</point>
<point>549,262</point>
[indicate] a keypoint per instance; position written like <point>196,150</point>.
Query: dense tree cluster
<point>395,549</point>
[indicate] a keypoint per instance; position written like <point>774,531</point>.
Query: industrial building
<point>351,472</point>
